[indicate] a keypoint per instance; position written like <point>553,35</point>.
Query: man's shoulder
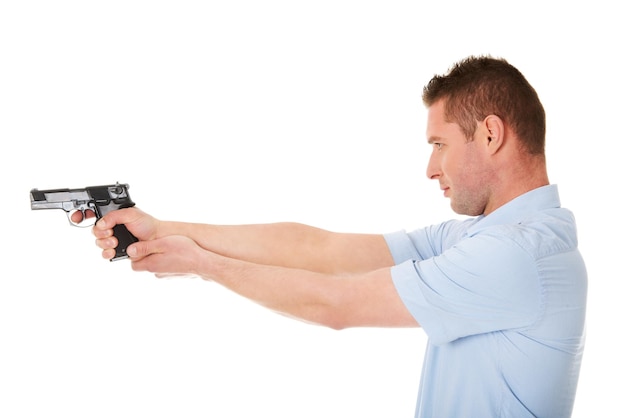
<point>540,233</point>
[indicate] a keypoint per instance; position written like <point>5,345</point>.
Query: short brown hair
<point>477,87</point>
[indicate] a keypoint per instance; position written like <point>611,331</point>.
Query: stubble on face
<point>469,194</point>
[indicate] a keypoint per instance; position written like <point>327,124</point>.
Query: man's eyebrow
<point>433,139</point>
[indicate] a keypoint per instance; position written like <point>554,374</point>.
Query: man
<point>501,295</point>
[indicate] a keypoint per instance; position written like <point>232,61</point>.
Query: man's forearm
<point>336,301</point>
<point>289,245</point>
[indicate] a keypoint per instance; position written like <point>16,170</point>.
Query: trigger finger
<point>76,217</point>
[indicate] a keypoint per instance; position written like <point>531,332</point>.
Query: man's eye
<point>437,145</point>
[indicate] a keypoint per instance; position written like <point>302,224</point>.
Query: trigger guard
<point>85,221</point>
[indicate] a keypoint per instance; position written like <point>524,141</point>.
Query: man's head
<point>487,128</point>
<point>477,87</point>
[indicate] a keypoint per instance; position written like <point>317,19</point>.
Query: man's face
<point>460,166</point>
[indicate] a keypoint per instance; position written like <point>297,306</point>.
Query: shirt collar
<point>515,211</point>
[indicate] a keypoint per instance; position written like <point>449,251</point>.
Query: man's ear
<point>493,133</point>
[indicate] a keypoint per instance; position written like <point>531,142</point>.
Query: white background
<point>263,111</point>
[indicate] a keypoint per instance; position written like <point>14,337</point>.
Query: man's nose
<point>433,170</point>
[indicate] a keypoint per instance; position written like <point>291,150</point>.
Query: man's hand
<point>140,224</point>
<point>174,255</point>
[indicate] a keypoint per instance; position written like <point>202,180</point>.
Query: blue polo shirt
<point>502,299</point>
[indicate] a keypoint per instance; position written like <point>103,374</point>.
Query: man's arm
<point>333,279</point>
<point>334,300</point>
<point>291,245</point>
<point>281,244</point>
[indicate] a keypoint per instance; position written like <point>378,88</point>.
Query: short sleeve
<point>401,247</point>
<point>482,284</point>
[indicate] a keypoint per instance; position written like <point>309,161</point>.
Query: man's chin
<point>465,210</point>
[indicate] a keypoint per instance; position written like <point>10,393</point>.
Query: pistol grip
<point>124,239</point>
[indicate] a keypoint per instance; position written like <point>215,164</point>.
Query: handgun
<point>98,199</point>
